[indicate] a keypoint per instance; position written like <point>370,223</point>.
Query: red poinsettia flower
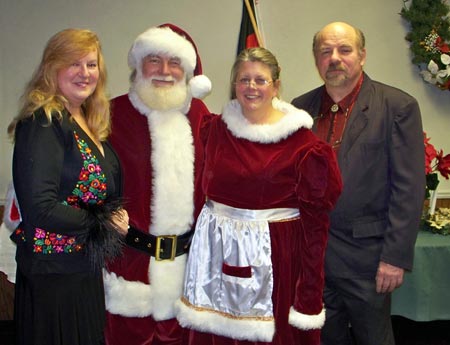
<point>443,47</point>
<point>446,85</point>
<point>430,154</point>
<point>443,164</point>
<point>435,161</point>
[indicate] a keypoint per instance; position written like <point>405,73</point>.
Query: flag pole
<point>253,20</point>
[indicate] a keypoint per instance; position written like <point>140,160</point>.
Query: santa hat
<point>170,40</point>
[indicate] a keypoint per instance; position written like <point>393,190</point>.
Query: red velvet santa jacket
<point>157,152</point>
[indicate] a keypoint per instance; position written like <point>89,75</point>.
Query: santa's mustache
<point>162,78</point>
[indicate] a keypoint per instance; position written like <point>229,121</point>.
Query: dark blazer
<point>382,165</point>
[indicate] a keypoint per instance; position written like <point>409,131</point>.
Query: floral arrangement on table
<point>436,163</point>
<point>430,39</point>
<point>438,222</point>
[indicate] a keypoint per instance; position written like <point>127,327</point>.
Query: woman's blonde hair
<point>42,90</point>
<point>257,54</point>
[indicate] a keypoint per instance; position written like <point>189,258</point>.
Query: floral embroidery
<point>46,242</point>
<point>90,189</point>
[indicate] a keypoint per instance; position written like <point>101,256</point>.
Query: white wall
<point>26,25</point>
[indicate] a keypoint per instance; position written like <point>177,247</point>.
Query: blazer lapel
<point>313,107</point>
<point>357,122</point>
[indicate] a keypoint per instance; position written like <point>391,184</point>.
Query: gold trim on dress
<point>229,316</point>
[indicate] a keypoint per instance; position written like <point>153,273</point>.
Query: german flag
<point>248,35</point>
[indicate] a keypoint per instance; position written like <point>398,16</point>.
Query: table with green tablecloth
<point>425,293</point>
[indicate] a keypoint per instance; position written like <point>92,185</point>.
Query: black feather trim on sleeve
<point>103,242</point>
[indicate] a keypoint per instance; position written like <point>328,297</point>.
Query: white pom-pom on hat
<point>200,86</point>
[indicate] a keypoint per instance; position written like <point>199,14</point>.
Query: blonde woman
<point>67,181</point>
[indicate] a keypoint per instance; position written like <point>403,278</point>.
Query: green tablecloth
<point>425,293</point>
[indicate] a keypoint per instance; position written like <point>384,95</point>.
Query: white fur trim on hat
<point>200,86</point>
<point>162,40</point>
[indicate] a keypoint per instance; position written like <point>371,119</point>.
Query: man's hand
<point>388,277</point>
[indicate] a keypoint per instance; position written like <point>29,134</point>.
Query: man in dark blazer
<point>376,131</point>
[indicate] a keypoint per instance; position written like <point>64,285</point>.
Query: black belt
<point>161,247</point>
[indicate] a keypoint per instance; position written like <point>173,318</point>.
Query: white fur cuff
<point>306,322</point>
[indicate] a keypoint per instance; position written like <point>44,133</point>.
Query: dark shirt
<point>333,118</point>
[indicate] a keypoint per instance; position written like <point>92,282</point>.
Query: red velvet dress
<point>283,165</point>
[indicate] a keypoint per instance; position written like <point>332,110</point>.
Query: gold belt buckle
<point>158,247</point>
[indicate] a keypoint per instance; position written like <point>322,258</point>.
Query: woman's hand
<point>120,219</point>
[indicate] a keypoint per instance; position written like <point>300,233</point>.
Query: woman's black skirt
<point>59,309</point>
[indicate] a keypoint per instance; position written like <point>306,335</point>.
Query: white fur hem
<point>127,298</point>
<point>167,277</point>
<point>306,322</point>
<point>251,329</point>
<point>137,299</point>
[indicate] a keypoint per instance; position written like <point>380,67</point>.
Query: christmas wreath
<point>430,39</point>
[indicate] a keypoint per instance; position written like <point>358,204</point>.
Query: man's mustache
<point>161,78</point>
<point>334,68</point>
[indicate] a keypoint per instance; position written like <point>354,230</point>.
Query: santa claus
<point>155,132</point>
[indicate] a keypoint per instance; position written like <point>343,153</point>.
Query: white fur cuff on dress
<point>306,322</point>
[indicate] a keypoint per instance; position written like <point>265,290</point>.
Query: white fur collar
<point>266,133</point>
<point>145,110</point>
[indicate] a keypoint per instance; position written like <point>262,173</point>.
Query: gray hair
<point>257,54</point>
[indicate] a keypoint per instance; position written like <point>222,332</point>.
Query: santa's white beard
<point>161,98</point>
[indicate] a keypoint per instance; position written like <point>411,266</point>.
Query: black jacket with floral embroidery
<point>62,183</point>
